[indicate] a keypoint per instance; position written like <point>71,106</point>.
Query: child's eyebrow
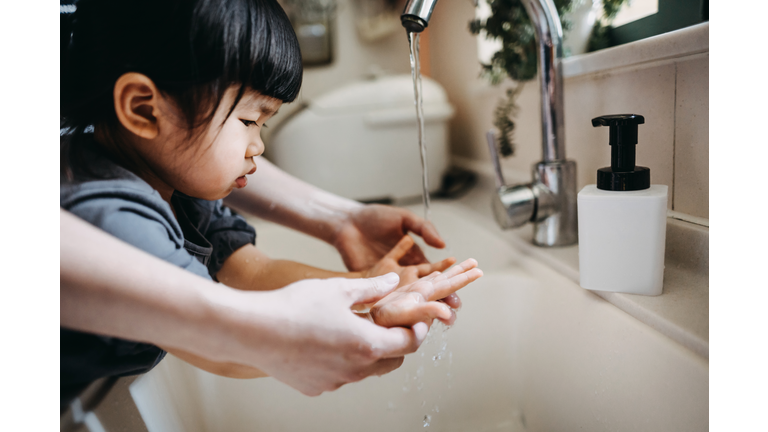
<point>262,106</point>
<point>267,111</point>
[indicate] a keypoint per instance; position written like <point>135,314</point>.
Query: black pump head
<point>623,174</point>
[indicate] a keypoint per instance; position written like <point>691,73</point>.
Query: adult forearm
<point>276,196</point>
<point>304,335</point>
<point>109,287</point>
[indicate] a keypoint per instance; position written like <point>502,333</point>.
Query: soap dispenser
<point>622,219</point>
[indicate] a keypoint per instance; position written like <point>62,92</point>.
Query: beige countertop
<point>680,313</point>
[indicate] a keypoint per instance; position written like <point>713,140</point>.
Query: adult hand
<point>370,231</point>
<point>309,338</point>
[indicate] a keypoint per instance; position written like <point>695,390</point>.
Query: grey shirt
<point>199,239</point>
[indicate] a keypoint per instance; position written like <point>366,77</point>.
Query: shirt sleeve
<point>223,228</point>
<point>227,233</point>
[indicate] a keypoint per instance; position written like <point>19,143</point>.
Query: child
<point>175,93</point>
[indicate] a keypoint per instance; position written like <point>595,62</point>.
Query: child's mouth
<point>241,182</point>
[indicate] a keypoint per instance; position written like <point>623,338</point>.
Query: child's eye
<point>248,122</point>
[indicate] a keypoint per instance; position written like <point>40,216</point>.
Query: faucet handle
<point>491,138</point>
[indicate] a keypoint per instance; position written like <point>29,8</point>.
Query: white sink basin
<point>531,350</point>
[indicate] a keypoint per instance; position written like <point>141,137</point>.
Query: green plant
<point>517,58</point>
<point>509,23</point>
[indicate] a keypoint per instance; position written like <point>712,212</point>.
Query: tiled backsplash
<point>665,79</point>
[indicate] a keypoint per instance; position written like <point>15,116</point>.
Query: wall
<point>353,59</point>
<point>665,79</point>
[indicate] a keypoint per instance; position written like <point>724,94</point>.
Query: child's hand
<point>408,274</point>
<point>416,302</point>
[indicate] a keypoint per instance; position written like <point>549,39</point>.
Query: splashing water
<point>436,344</point>
<point>413,43</point>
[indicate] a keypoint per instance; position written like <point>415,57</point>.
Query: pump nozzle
<point>623,174</point>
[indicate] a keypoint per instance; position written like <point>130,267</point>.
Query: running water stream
<point>437,333</point>
<point>413,43</point>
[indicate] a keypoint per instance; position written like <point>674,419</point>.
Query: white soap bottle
<point>622,219</point>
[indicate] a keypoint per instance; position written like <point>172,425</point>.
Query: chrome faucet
<point>550,200</point>
<point>416,15</point>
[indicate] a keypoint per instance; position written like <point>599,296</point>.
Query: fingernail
<point>446,311</point>
<point>391,278</point>
<point>420,331</point>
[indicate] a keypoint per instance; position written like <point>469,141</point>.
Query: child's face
<point>222,156</point>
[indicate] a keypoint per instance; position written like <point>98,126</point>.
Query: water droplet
<point>427,419</point>
<point>423,403</point>
<point>391,406</point>
<point>436,409</point>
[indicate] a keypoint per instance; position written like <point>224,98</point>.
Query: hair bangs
<point>254,45</point>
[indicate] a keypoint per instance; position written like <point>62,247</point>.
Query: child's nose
<point>255,148</point>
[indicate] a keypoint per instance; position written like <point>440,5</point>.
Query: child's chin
<point>210,195</point>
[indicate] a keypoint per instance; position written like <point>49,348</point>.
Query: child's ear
<point>137,102</point>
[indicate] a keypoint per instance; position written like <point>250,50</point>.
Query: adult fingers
<point>424,229</point>
<point>397,341</point>
<point>368,290</point>
<point>385,366</point>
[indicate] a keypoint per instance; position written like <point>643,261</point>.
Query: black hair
<point>193,50</point>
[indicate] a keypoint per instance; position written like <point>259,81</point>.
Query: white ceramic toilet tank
<point>360,141</point>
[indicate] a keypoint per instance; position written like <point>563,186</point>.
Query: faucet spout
<point>549,202</point>
<point>416,15</point>
<point>549,34</point>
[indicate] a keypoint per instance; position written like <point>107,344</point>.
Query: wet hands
<point>408,274</point>
<point>417,302</point>
<point>314,343</point>
<point>371,231</point>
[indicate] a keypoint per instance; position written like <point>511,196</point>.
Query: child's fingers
<point>444,264</point>
<point>458,269</point>
<point>413,257</point>
<point>401,248</point>
<point>452,300</point>
<point>412,314</point>
<point>425,269</point>
<point>444,288</point>
<point>430,277</point>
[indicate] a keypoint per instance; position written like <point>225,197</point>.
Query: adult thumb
<point>371,290</point>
